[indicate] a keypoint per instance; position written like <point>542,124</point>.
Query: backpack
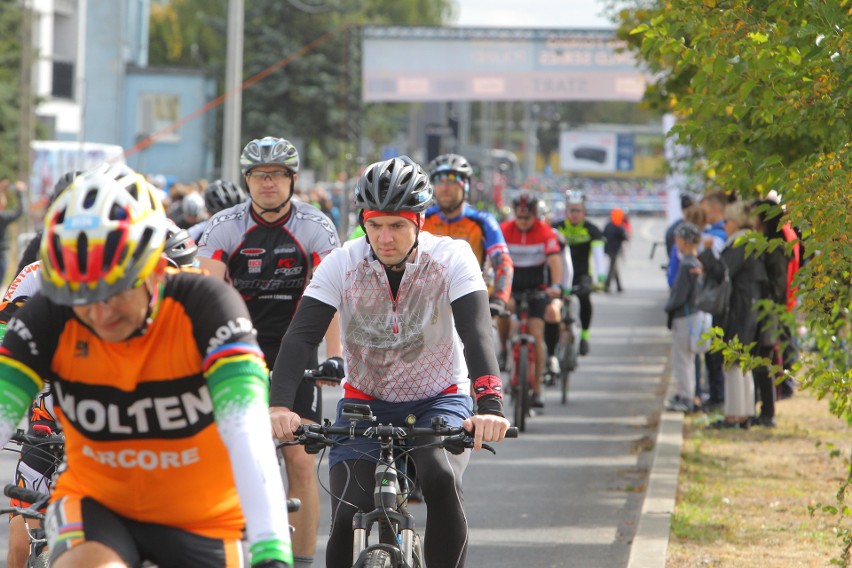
<point>714,295</point>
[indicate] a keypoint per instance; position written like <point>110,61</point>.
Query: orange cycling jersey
<point>138,415</point>
<point>483,234</point>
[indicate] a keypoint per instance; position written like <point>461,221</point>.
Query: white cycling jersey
<point>405,349</point>
<point>26,283</point>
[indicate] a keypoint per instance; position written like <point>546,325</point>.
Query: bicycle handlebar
<point>314,375</point>
<point>316,436</point>
<point>21,437</point>
<point>23,494</point>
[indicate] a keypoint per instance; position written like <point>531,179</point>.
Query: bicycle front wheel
<point>563,353</point>
<point>522,402</point>
<point>378,559</point>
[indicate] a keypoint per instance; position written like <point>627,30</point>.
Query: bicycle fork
<point>386,515</point>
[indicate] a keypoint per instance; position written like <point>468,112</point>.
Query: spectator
<point>615,235</point>
<point>680,305</point>
<point>7,217</point>
<point>767,218</point>
<point>747,277</point>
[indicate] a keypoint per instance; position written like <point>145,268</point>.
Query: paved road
<point>569,492</point>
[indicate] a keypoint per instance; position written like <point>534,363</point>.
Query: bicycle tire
<point>378,559</point>
<point>521,402</point>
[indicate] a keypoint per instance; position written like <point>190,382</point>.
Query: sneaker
<point>584,346</point>
<point>553,365</point>
<point>501,360</point>
<point>765,421</point>
<point>536,402</point>
<point>676,404</point>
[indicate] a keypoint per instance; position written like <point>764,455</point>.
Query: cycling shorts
<point>537,306</point>
<point>73,520</point>
<point>29,478</point>
<point>456,408</point>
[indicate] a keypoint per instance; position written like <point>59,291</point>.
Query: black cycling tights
<point>585,310</point>
<point>439,473</point>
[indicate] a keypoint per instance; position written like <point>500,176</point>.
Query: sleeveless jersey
<point>141,437</point>
<point>269,263</point>
<point>529,251</point>
<point>405,348</point>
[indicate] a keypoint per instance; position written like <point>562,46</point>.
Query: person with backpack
<point>747,276</point>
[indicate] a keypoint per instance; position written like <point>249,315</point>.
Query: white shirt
<point>407,349</point>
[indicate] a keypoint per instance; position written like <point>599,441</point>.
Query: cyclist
<point>191,210</point>
<point>158,381</point>
<point>415,326</point>
<point>268,248</point>
<point>451,216</point>
<point>535,252</point>
<point>585,240</point>
<point>218,195</point>
<point>34,471</point>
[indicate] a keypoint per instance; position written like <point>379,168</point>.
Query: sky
<point>532,13</point>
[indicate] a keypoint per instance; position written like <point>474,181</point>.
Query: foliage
<point>761,88</point>
<point>302,61</point>
<point>10,80</point>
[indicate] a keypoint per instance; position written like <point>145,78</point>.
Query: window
<point>156,111</point>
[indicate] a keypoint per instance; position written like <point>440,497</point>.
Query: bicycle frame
<point>524,360</point>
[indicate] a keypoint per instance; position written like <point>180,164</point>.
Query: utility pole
<point>234,93</point>
<point>25,134</point>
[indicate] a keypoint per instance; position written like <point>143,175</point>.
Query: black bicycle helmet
<point>180,249</point>
<point>269,151</point>
<point>393,186</point>
<point>526,201</point>
<point>222,194</point>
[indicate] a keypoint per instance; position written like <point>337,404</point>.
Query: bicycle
<point>566,349</point>
<point>399,544</point>
<point>50,447</point>
<point>523,358</point>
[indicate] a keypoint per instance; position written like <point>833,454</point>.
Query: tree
<point>310,50</point>
<point>761,88</point>
<point>10,88</point>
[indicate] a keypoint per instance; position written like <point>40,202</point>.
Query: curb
<point>648,549</point>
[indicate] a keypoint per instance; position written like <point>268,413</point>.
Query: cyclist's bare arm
<point>554,267</point>
<point>311,321</point>
<point>216,268</point>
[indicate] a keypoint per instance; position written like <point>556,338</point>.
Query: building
<point>94,85</point>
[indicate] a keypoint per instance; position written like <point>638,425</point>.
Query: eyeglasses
<point>523,217</point>
<point>276,175</point>
<point>575,210</point>
<point>448,177</point>
<point>120,298</point>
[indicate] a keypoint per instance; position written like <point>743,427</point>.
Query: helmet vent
<point>142,247</point>
<point>110,247</point>
<point>56,247</point>
<point>91,197</point>
<point>82,253</point>
<point>117,213</point>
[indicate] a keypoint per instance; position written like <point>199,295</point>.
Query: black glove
<point>271,564</point>
<point>331,367</point>
<point>497,306</point>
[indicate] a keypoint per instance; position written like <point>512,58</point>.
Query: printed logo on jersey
<point>165,410</point>
<point>288,267</point>
<point>254,265</point>
<point>81,349</point>
<point>233,329</point>
<point>252,251</point>
<point>286,249</point>
<point>20,329</point>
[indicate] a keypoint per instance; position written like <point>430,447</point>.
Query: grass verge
<point>743,495</point>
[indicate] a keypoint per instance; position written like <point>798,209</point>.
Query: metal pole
<point>233,88</point>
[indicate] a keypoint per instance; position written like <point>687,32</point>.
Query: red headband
<point>415,218</point>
